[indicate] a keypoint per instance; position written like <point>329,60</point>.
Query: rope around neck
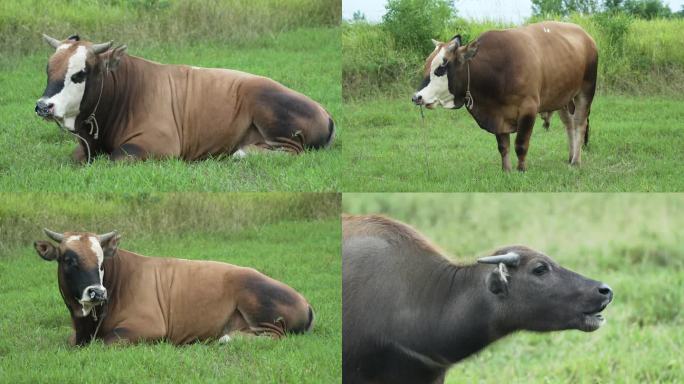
<point>468,97</point>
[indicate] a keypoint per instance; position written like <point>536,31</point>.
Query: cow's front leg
<point>128,152</point>
<point>522,139</point>
<point>504,141</point>
<point>118,336</point>
<point>79,155</point>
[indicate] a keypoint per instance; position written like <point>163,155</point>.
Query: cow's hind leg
<point>580,121</point>
<point>567,120</point>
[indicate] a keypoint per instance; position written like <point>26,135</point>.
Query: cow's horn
<point>52,41</point>
<point>511,259</point>
<point>58,237</point>
<point>102,47</point>
<point>106,236</point>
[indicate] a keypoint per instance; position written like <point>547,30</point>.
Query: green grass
<point>303,253</point>
<point>36,154</point>
<point>636,145</point>
<point>633,242</point>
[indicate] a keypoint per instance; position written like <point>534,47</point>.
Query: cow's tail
<point>312,320</point>
<point>331,133</point>
<point>586,134</point>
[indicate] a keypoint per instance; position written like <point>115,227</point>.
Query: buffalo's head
<point>535,293</point>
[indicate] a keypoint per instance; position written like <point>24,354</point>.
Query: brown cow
<point>119,296</point>
<point>506,77</point>
<point>129,107</point>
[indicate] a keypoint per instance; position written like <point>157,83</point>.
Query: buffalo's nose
<point>417,99</point>
<point>606,291</point>
<point>44,109</point>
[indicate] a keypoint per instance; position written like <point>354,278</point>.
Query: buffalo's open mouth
<point>593,320</point>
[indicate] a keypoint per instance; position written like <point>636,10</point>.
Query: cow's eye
<point>540,269</point>
<point>78,76</point>
<point>102,267</point>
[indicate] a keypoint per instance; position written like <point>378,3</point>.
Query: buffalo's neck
<point>465,316</point>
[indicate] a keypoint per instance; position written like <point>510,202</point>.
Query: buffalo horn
<point>510,259</point>
<point>52,41</point>
<point>58,237</point>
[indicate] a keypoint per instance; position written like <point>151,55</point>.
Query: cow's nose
<point>417,99</point>
<point>97,293</point>
<point>44,109</point>
<point>606,291</point>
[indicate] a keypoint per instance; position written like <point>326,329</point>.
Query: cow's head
<point>75,73</point>
<point>534,293</point>
<point>80,272</point>
<point>444,76</point>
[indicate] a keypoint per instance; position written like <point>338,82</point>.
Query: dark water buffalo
<point>409,313</point>
<point>119,296</point>
<point>132,108</point>
<point>506,77</point>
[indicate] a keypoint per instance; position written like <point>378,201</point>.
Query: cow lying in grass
<point>119,296</point>
<point>131,108</point>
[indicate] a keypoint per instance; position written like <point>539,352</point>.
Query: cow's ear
<point>110,246</point>
<point>437,43</point>
<point>497,280</point>
<point>46,250</point>
<point>115,57</point>
<point>454,43</point>
<point>471,50</point>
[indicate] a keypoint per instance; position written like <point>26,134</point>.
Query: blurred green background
<point>633,242</point>
<point>294,238</point>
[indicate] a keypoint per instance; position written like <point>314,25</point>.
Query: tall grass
<point>157,22</point>
<point>635,56</point>
<point>23,215</point>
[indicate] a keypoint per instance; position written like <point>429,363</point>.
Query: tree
<point>563,7</point>
<point>647,9</point>
<point>358,16</point>
<point>412,23</point>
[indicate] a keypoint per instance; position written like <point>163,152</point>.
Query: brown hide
<point>183,301</point>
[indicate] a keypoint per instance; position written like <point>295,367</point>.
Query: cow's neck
<point>464,322</point>
<point>110,108</point>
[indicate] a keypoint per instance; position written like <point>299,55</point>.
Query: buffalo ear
<point>115,57</point>
<point>110,246</point>
<point>46,250</point>
<point>497,280</point>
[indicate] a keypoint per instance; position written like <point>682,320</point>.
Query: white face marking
<point>86,300</point>
<point>72,238</point>
<point>63,46</point>
<point>68,100</point>
<point>438,88</point>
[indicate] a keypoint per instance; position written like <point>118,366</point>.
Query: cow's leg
<point>546,117</point>
<point>504,141</point>
<point>522,138</point>
<point>253,149</point>
<point>580,127</point>
<point>128,152</point>
<point>118,335</point>
<point>567,120</point>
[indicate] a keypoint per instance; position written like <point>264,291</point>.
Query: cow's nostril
<point>417,98</point>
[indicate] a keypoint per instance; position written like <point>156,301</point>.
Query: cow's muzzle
<point>96,294</point>
<point>45,110</point>
<point>417,99</point>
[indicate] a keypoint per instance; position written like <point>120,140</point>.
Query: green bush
<point>412,23</point>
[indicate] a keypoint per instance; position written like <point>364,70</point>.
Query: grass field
<point>633,242</point>
<point>36,154</point>
<point>290,237</point>
<point>636,145</point>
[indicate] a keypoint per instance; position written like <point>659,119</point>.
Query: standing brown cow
<point>119,296</point>
<point>506,77</point>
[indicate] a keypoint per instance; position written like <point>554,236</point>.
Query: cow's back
<point>548,60</point>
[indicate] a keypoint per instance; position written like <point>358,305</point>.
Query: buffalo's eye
<point>540,269</point>
<point>78,76</point>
